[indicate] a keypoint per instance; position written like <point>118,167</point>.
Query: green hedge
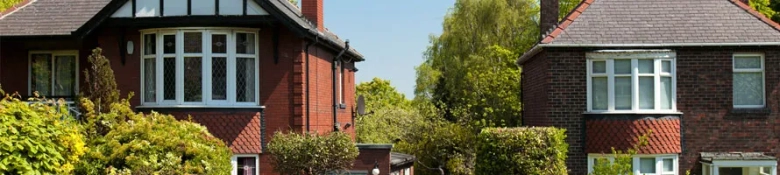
<point>521,151</point>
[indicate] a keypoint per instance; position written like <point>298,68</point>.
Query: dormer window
<point>200,67</point>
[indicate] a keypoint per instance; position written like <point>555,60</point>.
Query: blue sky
<point>392,35</point>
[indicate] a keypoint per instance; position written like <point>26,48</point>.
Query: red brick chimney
<point>548,17</point>
<point>312,10</point>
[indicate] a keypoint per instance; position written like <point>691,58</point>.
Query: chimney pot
<point>312,10</point>
<point>548,17</point>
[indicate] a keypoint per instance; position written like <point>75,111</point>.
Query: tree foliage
<point>310,154</point>
<point>38,138</point>
<point>389,116</point>
<point>6,4</point>
<point>539,150</point>
<point>101,85</point>
<point>764,7</point>
<point>468,80</point>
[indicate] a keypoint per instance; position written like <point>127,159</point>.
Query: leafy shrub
<point>540,150</point>
<point>295,153</point>
<point>38,138</point>
<point>623,160</point>
<point>153,143</point>
<point>5,4</point>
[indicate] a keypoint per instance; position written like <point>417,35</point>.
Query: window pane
<point>623,66</point>
<point>599,67</point>
<point>150,77</point>
<point>150,44</point>
<point>193,79</point>
<point>193,42</point>
<point>647,165</point>
<point>666,66</point>
<point>749,62</point>
<point>65,76</point>
<point>245,79</point>
<point>169,43</point>
<point>668,165</point>
<point>169,78</point>
<point>218,78</point>
<point>622,92</point>
<point>41,74</point>
<point>599,94</point>
<point>666,92</point>
<point>246,166</point>
<point>646,93</point>
<point>748,88</point>
<point>646,66</point>
<point>245,43</point>
<point>218,43</point>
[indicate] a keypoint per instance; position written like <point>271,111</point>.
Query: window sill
<point>750,111</point>
<point>635,112</point>
<point>197,106</point>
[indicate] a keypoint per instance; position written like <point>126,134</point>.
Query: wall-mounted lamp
<point>375,171</point>
<point>130,47</point>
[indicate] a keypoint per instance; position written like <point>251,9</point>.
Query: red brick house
<point>703,75</point>
<point>243,68</point>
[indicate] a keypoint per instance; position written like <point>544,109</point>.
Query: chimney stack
<point>312,10</point>
<point>548,17</point>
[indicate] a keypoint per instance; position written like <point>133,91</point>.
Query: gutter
<point>308,98</point>
<point>336,125</point>
<point>538,48</point>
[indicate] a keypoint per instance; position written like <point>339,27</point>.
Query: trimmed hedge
<point>538,150</point>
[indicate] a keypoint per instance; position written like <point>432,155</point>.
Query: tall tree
<point>390,113</point>
<point>468,79</point>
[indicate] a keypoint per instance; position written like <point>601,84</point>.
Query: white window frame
<point>54,54</point>
<point>206,56</point>
<point>636,163</point>
<point>234,162</point>
<point>609,56</point>
<point>713,168</point>
<point>763,77</point>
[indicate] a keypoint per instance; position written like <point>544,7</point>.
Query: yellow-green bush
<point>38,138</point>
<point>137,143</point>
<point>540,150</point>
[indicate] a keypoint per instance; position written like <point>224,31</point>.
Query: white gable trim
<point>151,8</point>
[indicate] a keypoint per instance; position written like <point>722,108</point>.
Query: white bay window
<point>646,164</point>
<point>631,81</point>
<point>199,67</point>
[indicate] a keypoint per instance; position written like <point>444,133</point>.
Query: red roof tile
<point>603,134</point>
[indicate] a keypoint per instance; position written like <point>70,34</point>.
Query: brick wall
<point>704,95</point>
<point>535,82</point>
<point>367,157</point>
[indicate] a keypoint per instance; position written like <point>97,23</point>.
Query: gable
<point>164,8</point>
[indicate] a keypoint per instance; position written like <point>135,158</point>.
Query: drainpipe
<point>336,125</point>
<point>308,99</point>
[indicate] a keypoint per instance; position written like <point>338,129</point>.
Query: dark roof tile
<point>49,17</point>
<point>663,21</point>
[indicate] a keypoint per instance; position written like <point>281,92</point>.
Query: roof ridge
<point>15,8</point>
<point>566,21</point>
<point>756,14</point>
